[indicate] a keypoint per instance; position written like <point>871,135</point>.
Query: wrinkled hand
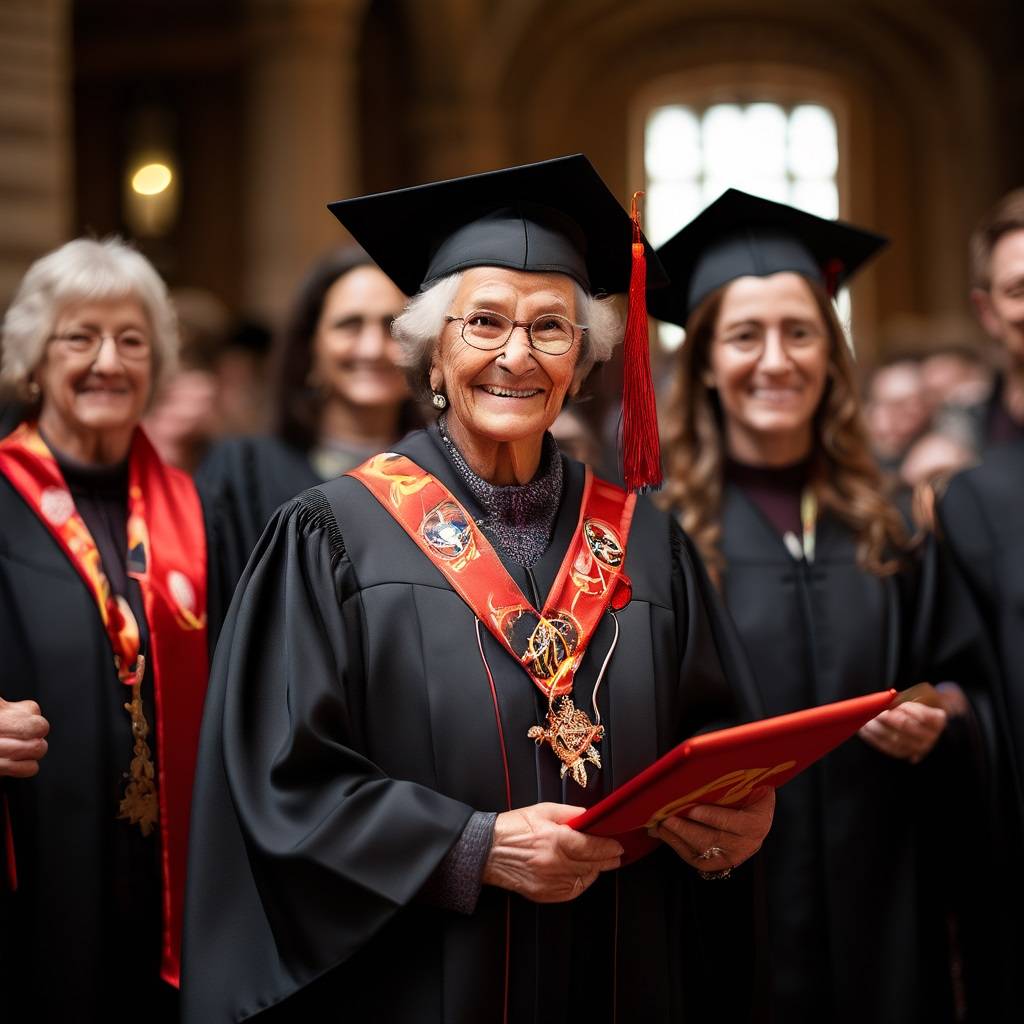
<point>22,738</point>
<point>736,831</point>
<point>537,855</point>
<point>908,731</point>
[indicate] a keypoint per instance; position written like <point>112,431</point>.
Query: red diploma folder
<point>723,768</point>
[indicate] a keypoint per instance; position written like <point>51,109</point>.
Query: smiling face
<point>100,392</point>
<point>513,393</point>
<point>769,362</point>
<point>354,354</point>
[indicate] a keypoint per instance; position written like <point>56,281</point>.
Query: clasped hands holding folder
<point>711,799</point>
<point>535,854</point>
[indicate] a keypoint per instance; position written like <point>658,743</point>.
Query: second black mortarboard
<point>741,235</point>
<point>555,216</point>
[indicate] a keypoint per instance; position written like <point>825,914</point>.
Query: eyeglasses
<point>132,346</point>
<point>549,333</point>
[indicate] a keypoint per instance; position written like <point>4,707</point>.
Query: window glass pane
<point>723,140</point>
<point>667,207</point>
<point>813,147</point>
<point>818,197</point>
<point>713,187</point>
<point>694,153</point>
<point>670,336</point>
<point>764,140</point>
<point>672,145</point>
<point>776,189</point>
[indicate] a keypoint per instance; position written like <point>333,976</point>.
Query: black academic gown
<point>982,519</point>
<point>856,923</point>
<point>982,524</point>
<point>80,938</point>
<point>244,480</point>
<point>351,732</point>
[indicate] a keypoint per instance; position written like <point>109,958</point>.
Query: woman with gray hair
<point>401,725</point>
<point>103,628</point>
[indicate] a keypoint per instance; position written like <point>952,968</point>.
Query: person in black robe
<point>84,934</point>
<point>979,512</point>
<point>339,397</point>
<point>375,834</point>
<point>997,293</point>
<point>979,516</point>
<point>980,519</point>
<point>770,473</point>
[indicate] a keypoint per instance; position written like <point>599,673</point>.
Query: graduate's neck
<point>366,425</point>
<point>90,447</point>
<point>502,463</point>
<point>771,449</point>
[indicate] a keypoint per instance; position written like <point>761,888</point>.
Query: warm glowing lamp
<point>152,179</point>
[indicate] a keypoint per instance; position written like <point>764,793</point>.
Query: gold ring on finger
<point>711,853</point>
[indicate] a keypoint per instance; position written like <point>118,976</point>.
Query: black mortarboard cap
<point>554,216</point>
<point>741,235</point>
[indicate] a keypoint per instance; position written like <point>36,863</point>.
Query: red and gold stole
<point>549,645</point>
<point>167,556</point>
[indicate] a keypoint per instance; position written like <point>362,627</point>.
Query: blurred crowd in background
<point>926,408</point>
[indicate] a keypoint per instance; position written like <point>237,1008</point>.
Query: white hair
<point>420,324</point>
<point>83,270</point>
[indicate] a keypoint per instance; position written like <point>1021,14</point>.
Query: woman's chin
<point>507,427</point>
<point>780,422</point>
<point>104,416</point>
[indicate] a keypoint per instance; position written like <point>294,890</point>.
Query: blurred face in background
<point>768,361</point>
<point>354,355</point>
<point>931,455</point>
<point>897,409</point>
<point>1001,307</point>
<point>97,371</point>
<point>950,378</point>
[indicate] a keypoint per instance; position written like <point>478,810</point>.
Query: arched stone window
<point>777,142</point>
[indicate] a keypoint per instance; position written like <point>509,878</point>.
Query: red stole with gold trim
<point>167,556</point>
<point>548,645</point>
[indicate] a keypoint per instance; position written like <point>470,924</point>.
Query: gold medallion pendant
<point>140,805</point>
<point>571,735</point>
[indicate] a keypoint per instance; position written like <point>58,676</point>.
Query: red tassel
<point>641,449</point>
<point>833,269</point>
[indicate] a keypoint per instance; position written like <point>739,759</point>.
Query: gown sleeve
<point>950,644</point>
<point>973,789</point>
<point>224,480</point>
<point>302,848</point>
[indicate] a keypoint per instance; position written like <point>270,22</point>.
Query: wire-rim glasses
<point>550,333</point>
<point>132,345</point>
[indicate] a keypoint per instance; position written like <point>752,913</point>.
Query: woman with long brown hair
<point>770,473</point>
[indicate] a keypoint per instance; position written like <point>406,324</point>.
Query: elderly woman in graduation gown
<point>380,824</point>
<point>103,634</point>
<point>769,472</point>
